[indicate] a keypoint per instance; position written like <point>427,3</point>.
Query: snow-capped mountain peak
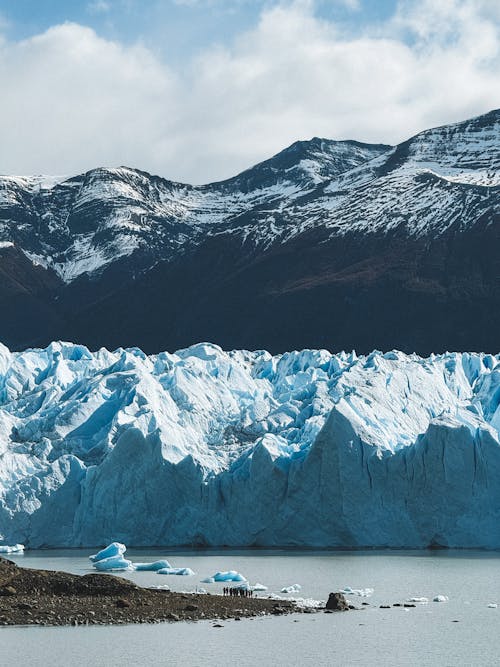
<point>317,218</point>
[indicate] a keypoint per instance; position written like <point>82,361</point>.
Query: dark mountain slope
<point>328,244</point>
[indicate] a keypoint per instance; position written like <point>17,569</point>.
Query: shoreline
<point>196,548</point>
<point>54,598</point>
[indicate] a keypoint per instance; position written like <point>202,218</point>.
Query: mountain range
<point>328,244</point>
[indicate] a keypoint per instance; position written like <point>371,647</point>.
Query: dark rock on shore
<point>337,602</point>
<point>44,597</point>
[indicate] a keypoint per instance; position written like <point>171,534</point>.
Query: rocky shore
<point>45,597</point>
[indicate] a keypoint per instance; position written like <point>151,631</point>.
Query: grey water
<point>428,634</point>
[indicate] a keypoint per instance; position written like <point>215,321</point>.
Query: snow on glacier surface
<point>204,446</point>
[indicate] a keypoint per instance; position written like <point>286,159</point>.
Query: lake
<point>424,635</point>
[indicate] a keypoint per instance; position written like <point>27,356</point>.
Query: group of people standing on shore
<point>238,592</point>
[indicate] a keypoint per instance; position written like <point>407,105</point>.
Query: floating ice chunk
<point>420,600</point>
<point>230,575</point>
<point>360,592</point>
<point>245,586</point>
<point>301,602</point>
<point>160,588</point>
<point>113,563</point>
<point>113,549</point>
<point>208,580</point>
<point>440,598</point>
<point>308,603</point>
<point>294,588</point>
<point>152,567</point>
<point>492,605</point>
<point>13,549</point>
<point>259,587</point>
<point>181,571</point>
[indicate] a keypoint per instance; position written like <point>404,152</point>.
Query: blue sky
<point>174,26</point>
<point>197,90</point>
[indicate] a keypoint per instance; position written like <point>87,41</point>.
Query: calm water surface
<point>425,635</point>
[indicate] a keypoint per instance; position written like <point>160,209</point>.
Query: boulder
<point>337,602</point>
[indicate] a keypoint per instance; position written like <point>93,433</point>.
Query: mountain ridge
<point>324,226</point>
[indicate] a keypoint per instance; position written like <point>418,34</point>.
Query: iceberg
<point>112,550</point>
<point>230,575</point>
<point>113,563</point>
<point>209,447</point>
<point>294,588</point>
<point>440,598</point>
<point>180,571</point>
<point>152,567</point>
<point>246,586</point>
<point>13,549</point>
<point>360,592</point>
<point>259,587</point>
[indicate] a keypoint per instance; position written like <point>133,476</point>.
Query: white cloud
<point>72,100</point>
<point>98,7</point>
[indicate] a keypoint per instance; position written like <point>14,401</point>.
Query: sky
<point>198,90</point>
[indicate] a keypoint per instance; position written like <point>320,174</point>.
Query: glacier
<point>239,448</point>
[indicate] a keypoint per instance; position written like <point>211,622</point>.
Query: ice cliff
<point>244,448</point>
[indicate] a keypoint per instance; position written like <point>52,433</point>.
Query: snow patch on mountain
<point>441,178</point>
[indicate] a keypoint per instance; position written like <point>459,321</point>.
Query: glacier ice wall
<point>244,448</point>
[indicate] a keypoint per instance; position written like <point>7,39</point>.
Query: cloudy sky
<point>197,90</point>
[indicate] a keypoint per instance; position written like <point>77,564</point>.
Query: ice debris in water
<point>113,563</point>
<point>113,549</point>
<point>419,600</point>
<point>152,567</point>
<point>230,575</point>
<point>360,592</point>
<point>492,605</point>
<point>259,587</point>
<point>181,571</point>
<point>300,602</point>
<point>208,580</point>
<point>12,549</point>
<point>440,598</point>
<point>294,588</point>
<point>245,586</point>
